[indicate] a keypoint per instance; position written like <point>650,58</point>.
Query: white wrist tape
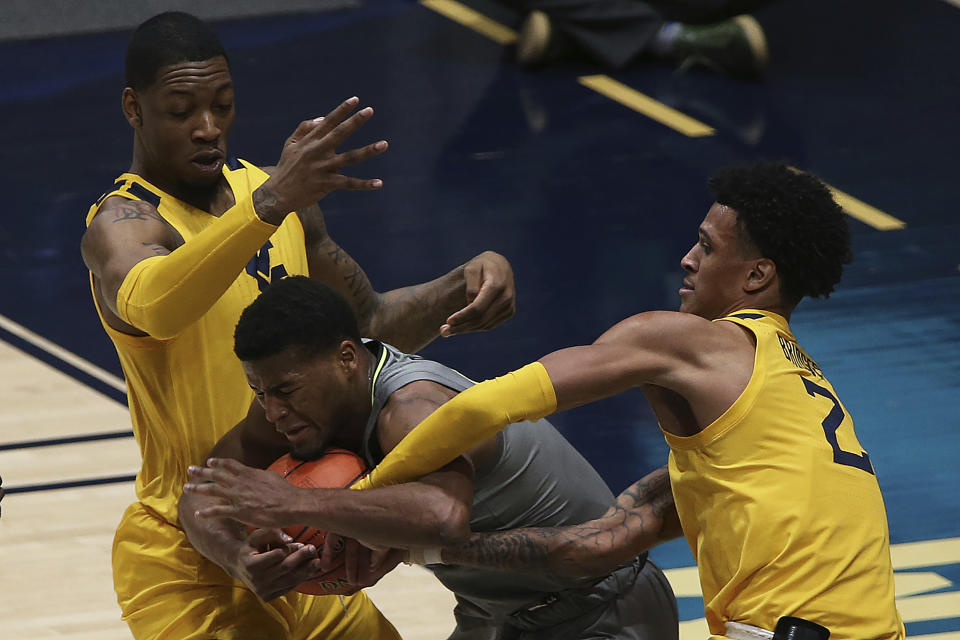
<point>432,555</point>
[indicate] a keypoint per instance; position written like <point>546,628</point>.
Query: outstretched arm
<point>643,517</point>
<point>658,347</point>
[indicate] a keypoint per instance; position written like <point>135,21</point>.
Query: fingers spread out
<point>336,135</point>
<point>356,184</point>
<point>356,156</point>
<point>303,129</point>
<point>325,124</point>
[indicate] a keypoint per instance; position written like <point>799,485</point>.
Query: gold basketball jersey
<point>780,503</point>
<point>186,392</point>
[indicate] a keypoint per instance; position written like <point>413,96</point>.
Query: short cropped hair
<point>791,218</point>
<point>165,39</point>
<point>295,312</point>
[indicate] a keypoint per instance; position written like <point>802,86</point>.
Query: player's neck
<point>214,199</point>
<point>767,300</point>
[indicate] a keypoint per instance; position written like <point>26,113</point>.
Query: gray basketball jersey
<point>535,479</point>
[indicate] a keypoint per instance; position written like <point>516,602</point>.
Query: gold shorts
<point>168,591</point>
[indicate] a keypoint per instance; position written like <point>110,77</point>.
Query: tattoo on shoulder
<point>156,248</point>
<point>136,210</point>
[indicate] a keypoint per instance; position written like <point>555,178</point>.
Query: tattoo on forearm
<point>356,280</point>
<point>336,253</point>
<point>266,204</point>
<point>361,291</point>
<point>520,549</point>
<point>136,211</point>
<point>653,491</point>
<point>641,517</point>
<point>407,318</point>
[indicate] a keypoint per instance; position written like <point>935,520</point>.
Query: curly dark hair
<point>791,218</point>
<point>294,312</point>
<point>165,39</point>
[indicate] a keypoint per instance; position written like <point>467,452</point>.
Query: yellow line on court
<point>472,20</point>
<point>938,606</point>
<point>865,213</point>
<point>646,105</point>
<point>909,583</point>
<point>926,553</point>
<point>600,83</point>
<point>862,211</point>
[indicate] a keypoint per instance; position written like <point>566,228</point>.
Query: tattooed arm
<point>475,296</point>
<point>123,233</point>
<point>643,517</point>
<point>152,281</point>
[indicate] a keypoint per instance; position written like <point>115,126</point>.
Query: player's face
<point>716,267</point>
<point>312,401</point>
<point>185,120</point>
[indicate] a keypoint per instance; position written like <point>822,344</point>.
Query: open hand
<point>490,293</point>
<point>255,496</point>
<point>309,166</point>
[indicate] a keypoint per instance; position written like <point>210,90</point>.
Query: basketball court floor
<point>591,183</point>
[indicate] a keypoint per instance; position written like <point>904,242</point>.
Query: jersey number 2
<point>830,425</point>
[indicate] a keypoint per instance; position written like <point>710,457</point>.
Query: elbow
<point>159,323</point>
<point>160,332</point>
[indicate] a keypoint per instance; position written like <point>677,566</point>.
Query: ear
<point>131,107</point>
<point>347,357</point>
<point>762,274</point>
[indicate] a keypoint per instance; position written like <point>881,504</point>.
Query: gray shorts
<point>634,602</point>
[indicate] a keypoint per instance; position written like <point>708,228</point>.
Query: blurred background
<point>589,178</point>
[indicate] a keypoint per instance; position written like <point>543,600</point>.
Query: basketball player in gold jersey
<point>776,497</point>
<point>177,248</point>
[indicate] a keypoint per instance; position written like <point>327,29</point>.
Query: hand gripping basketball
<point>337,468</point>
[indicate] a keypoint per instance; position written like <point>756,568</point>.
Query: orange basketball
<point>336,468</point>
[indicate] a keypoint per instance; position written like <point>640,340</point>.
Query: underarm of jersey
<point>163,295</point>
<point>464,422</point>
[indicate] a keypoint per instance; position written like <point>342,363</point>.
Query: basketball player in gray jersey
<point>321,386</point>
